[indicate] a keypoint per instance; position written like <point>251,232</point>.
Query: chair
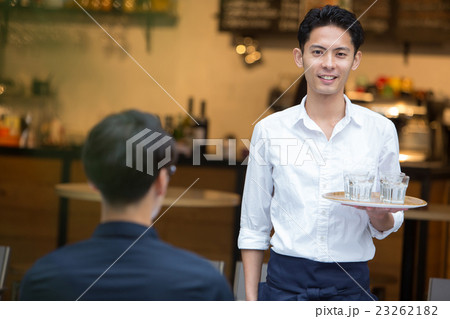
<point>439,289</point>
<point>4,258</point>
<point>239,283</point>
<point>219,265</point>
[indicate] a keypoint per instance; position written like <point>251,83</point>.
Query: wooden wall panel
<point>28,210</point>
<point>83,216</point>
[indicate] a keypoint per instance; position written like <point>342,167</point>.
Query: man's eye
<point>341,54</point>
<point>317,52</point>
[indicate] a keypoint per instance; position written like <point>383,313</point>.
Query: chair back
<point>4,259</point>
<point>239,282</point>
<point>218,264</point>
<point>439,289</point>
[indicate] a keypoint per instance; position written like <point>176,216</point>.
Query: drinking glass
<point>346,185</point>
<point>358,185</point>
<point>393,187</point>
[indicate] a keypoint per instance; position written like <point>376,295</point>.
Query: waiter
<point>319,249</point>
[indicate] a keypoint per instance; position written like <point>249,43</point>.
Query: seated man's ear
<point>162,182</point>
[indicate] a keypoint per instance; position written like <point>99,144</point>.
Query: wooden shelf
<point>77,15</point>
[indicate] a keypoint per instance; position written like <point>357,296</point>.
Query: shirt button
<point>321,238</point>
<point>324,212</point>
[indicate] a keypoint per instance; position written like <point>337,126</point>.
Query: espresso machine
<point>423,126</point>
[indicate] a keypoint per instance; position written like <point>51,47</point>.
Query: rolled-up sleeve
<point>398,221</point>
<point>255,215</point>
<point>389,161</point>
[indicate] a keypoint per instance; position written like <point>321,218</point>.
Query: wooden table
<point>440,213</point>
<point>174,197</point>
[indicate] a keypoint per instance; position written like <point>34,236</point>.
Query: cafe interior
<point>65,65</point>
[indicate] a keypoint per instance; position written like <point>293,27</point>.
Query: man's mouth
<point>327,77</point>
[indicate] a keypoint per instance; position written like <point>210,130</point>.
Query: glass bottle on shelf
<point>85,4</point>
<point>95,5</point>
<point>106,5</point>
<point>143,5</point>
<point>117,5</point>
<point>129,5</point>
<point>200,129</point>
<point>168,125</point>
<point>188,123</point>
<point>178,129</point>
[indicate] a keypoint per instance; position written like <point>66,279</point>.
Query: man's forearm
<point>252,260</point>
<point>380,219</point>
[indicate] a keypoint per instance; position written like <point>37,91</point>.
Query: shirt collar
<point>350,113</point>
<point>123,229</point>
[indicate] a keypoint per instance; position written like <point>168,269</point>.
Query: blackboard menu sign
<point>396,21</point>
<point>251,16</point>
<point>423,21</point>
<point>413,21</point>
<point>376,20</point>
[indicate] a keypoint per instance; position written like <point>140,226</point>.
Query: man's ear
<point>298,57</point>
<point>162,182</point>
<point>356,60</point>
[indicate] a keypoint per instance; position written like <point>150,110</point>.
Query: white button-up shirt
<point>292,164</point>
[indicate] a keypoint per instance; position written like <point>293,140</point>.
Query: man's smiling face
<point>327,59</point>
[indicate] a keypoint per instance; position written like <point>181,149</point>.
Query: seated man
<point>124,260</point>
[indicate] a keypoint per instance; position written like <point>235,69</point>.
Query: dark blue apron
<point>292,278</point>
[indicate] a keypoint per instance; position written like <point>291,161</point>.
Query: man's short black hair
<point>104,156</point>
<point>330,15</point>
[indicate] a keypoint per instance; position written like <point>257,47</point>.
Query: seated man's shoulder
<point>181,268</point>
<point>175,273</point>
<point>49,277</point>
<point>181,258</point>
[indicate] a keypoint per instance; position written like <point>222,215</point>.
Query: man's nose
<point>327,60</point>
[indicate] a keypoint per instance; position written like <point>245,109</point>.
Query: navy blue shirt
<point>149,270</point>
